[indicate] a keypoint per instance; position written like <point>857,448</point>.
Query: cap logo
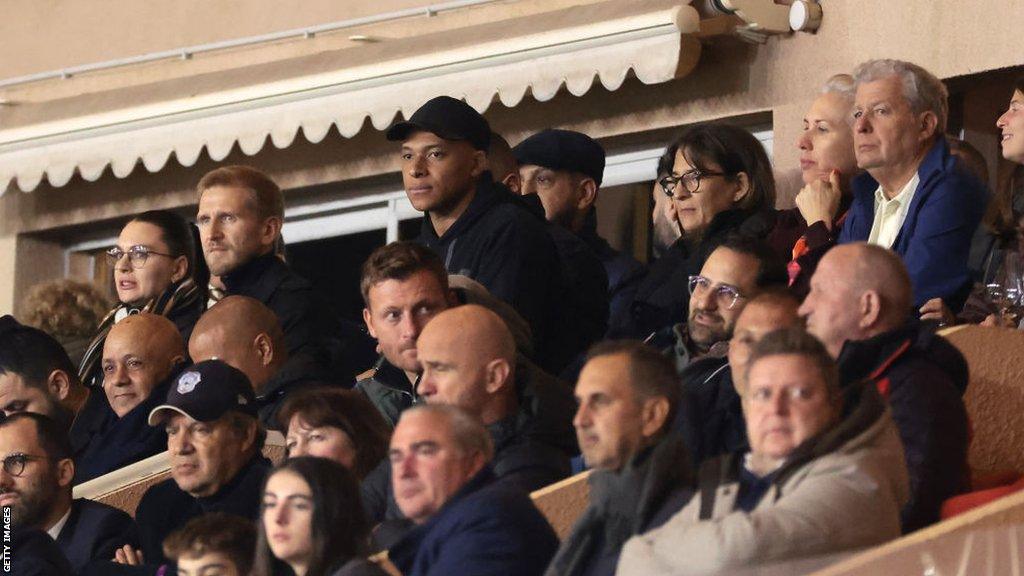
<point>188,382</point>
<point>242,400</point>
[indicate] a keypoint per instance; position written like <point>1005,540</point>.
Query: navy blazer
<point>95,531</point>
<point>489,527</point>
<point>935,239</point>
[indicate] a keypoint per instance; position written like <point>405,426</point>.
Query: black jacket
<point>310,326</point>
<point>710,417</point>
<point>94,532</point>
<point>389,389</point>
<point>583,295</point>
<point>663,297</point>
<point>104,443</point>
<point>923,377</point>
<point>34,553</point>
<point>299,371</point>
<point>164,507</point>
<point>656,484</point>
<point>487,528</point>
<point>501,244</point>
<point>624,272</point>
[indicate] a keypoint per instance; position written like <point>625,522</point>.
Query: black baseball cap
<point>563,150</point>
<point>450,119</point>
<point>205,392</point>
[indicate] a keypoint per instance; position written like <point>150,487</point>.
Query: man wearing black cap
<point>565,169</point>
<point>214,442</point>
<point>475,225</point>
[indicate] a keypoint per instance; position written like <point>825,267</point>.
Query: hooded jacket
<point>923,377</point>
<point>840,490</point>
<point>499,243</point>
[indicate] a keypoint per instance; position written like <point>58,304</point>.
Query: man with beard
<point>35,481</point>
<point>734,273</point>
<point>36,374</point>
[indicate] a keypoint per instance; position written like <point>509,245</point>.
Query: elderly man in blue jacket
<point>913,198</point>
<point>465,520</point>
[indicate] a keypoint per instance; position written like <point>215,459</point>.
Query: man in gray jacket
<point>824,473</point>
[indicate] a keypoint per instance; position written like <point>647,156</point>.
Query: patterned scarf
<point>176,297</point>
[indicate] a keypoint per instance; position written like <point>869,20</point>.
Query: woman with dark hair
<point>157,269</point>
<point>340,425</point>
<point>720,184</point>
<point>312,522</point>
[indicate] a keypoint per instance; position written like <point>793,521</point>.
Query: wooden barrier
<point>563,502</point>
<point>995,396</point>
<point>124,488</point>
<point>928,551</point>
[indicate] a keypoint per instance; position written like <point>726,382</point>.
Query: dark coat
<point>389,389</point>
<point>710,417</point>
<point>164,507</point>
<point>923,377</point>
<point>935,239</point>
<point>531,449</point>
<point>104,443</point>
<point>641,497</point>
<point>663,297</point>
<point>299,371</point>
<point>487,528</point>
<point>34,553</point>
<point>624,272</point>
<point>310,326</point>
<point>501,244</point>
<point>94,532</point>
<point>359,567</point>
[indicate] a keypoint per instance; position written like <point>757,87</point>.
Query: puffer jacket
<point>841,490</point>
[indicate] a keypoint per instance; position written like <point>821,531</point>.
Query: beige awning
<point>654,40</point>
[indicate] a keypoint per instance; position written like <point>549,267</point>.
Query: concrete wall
<point>776,80</point>
<point>51,34</point>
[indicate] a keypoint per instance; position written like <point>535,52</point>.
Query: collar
<point>54,530</point>
<point>905,195</point>
<point>870,358</point>
<point>248,279</point>
<point>394,377</point>
<point>937,160</point>
<point>248,478</point>
<point>486,194</point>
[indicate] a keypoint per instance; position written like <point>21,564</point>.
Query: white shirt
<point>890,214</point>
<point>54,530</point>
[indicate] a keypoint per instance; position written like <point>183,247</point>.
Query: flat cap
<point>563,150</point>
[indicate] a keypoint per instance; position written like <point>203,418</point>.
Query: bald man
<point>859,306</point>
<point>246,334</point>
<point>141,356</point>
<point>468,357</point>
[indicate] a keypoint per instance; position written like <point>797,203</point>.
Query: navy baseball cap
<point>205,392</point>
<point>562,150</point>
<point>450,119</point>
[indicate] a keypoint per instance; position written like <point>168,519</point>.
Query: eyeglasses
<point>137,255</point>
<point>690,180</point>
<point>15,463</point>
<point>725,295</point>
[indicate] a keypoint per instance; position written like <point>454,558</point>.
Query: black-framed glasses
<point>137,255</point>
<point>691,181</point>
<point>15,463</point>
<point>725,295</point>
